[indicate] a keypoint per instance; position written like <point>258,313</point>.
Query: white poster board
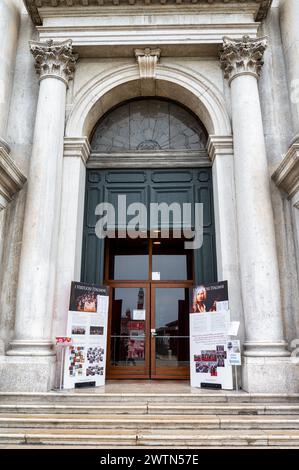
<point>208,352</point>
<point>85,360</point>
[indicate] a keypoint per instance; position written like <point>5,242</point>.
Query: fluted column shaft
<point>242,62</point>
<point>55,65</point>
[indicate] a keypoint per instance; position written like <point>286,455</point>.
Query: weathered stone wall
<point>275,102</point>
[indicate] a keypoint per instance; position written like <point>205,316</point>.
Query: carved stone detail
<point>286,176</point>
<point>54,59</point>
<point>11,178</point>
<point>147,60</point>
<point>219,145</point>
<point>261,7</point>
<point>77,147</point>
<point>244,56</point>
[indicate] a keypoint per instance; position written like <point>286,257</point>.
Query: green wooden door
<point>146,186</point>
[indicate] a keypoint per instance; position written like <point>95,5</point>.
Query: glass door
<point>170,331</point>
<point>129,339</point>
<point>149,308</point>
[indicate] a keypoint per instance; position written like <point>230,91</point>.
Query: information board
<point>209,324</point>
<point>85,359</point>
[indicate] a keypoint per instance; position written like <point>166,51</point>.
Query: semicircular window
<point>148,125</point>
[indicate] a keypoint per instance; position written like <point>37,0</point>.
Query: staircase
<point>148,420</point>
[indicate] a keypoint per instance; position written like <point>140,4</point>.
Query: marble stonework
<point>235,65</point>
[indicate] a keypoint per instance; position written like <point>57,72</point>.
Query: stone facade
<point>234,65</point>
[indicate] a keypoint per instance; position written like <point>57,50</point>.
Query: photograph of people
<point>199,297</point>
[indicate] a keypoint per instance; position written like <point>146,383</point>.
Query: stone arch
<point>112,87</point>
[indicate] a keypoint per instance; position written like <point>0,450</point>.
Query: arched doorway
<point>150,151</point>
<point>94,100</point>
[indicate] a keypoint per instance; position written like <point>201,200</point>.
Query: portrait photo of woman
<point>199,298</point>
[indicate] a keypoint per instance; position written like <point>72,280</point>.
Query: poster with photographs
<point>209,323</point>
<point>85,360</point>
<point>211,297</point>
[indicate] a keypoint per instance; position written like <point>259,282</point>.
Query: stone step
<point>155,408</point>
<point>225,409</point>
<point>150,438</point>
<point>95,397</point>
<point>154,422</point>
<point>110,408</point>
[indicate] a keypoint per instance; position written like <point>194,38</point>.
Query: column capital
<point>147,60</point>
<point>54,59</point>
<point>220,145</point>
<point>242,56</point>
<point>77,147</point>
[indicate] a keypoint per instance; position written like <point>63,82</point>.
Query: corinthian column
<point>242,62</point>
<point>55,65</point>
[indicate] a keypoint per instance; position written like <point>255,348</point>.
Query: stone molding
<point>11,178</point>
<point>266,349</point>
<point>98,40</point>
<point>220,145</point>
<point>260,8</point>
<point>31,348</point>
<point>286,176</point>
<point>54,59</point>
<point>176,159</point>
<point>205,96</point>
<point>77,147</point>
<point>242,57</point>
<point>147,60</point>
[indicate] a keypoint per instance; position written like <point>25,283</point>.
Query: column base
<point>31,348</point>
<point>270,375</point>
<point>266,349</point>
<point>27,374</point>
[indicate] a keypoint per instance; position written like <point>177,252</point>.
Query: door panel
<point>171,260</point>
<point>148,320</point>
<point>151,344</point>
<point>170,331</point>
<point>189,185</point>
<point>128,340</point>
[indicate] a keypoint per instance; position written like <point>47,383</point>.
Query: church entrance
<point>149,151</point>
<point>149,320</point>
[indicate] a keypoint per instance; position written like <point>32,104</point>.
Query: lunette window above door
<point>148,125</point>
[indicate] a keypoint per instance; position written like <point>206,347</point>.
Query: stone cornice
<point>286,176</point>
<point>177,159</point>
<point>199,39</point>
<point>77,147</point>
<point>260,7</point>
<point>219,145</point>
<point>243,56</point>
<point>11,178</point>
<point>54,59</point>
